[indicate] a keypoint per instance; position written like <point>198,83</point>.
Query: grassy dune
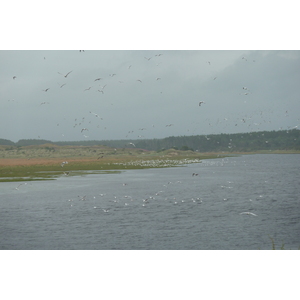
<point>44,162</point>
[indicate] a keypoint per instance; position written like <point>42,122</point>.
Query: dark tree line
<point>244,142</point>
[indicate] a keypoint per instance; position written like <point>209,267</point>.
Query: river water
<point>170,208</point>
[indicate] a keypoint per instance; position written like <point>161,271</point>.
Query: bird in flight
<point>46,90</point>
<point>139,80</point>
<point>148,58</point>
<point>201,102</point>
<point>44,103</point>
<point>14,77</point>
<point>62,85</point>
<point>63,163</point>
<point>97,79</point>
<point>248,213</point>
<point>20,185</point>
<point>65,75</point>
<point>87,89</point>
<point>132,144</point>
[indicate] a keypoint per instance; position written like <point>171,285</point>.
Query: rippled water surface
<point>166,208</point>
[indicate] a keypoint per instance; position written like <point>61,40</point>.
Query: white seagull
<point>20,185</point>
<point>248,213</point>
<point>65,75</point>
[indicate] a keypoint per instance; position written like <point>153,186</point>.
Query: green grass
<point>83,158</point>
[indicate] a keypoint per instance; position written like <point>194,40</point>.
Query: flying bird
<point>248,213</point>
<point>148,58</point>
<point>201,102</point>
<point>20,185</point>
<point>97,79</point>
<point>46,90</point>
<point>14,77</point>
<point>63,163</point>
<point>139,80</point>
<point>65,75</point>
<point>87,89</point>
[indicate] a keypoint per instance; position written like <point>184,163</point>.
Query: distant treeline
<point>243,142</point>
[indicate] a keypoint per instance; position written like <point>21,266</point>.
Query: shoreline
<point>49,168</point>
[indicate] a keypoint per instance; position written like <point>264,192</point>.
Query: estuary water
<point>226,203</point>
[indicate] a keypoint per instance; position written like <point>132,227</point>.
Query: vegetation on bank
<point>45,162</point>
<point>31,160</point>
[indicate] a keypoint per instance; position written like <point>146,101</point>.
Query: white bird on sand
<point>248,213</point>
<point>65,75</point>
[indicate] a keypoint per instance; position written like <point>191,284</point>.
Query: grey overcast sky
<point>146,94</point>
<point>163,65</point>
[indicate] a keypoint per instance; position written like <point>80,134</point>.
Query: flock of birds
<point>102,88</point>
<point>169,192</point>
